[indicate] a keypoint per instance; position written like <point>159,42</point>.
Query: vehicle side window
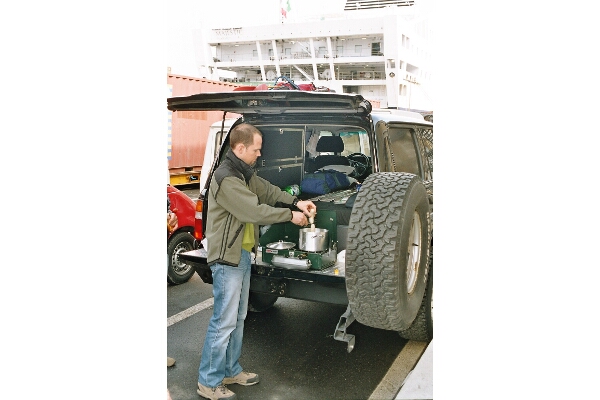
<point>397,152</point>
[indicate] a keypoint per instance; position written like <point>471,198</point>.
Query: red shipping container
<point>188,130</point>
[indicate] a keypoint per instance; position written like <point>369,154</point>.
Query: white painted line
<point>190,311</point>
<point>391,383</point>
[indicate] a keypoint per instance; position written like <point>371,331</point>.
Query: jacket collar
<point>240,165</point>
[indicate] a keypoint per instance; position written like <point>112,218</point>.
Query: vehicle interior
<point>332,155</point>
<point>289,153</point>
<point>292,155</point>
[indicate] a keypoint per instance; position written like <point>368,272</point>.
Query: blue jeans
<point>223,342</point>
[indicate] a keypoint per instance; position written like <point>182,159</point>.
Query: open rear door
<point>272,102</point>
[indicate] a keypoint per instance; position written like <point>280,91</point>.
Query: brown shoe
<point>170,362</point>
<point>243,378</point>
<point>219,393</point>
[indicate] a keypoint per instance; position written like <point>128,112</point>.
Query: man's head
<point>246,141</point>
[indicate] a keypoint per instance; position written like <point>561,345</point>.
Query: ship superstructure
<point>379,49</point>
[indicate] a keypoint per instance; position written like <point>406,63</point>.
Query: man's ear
<point>238,148</point>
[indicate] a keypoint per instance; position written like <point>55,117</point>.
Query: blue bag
<point>323,182</point>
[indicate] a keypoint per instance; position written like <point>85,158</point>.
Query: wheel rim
<point>179,267</point>
<point>414,253</point>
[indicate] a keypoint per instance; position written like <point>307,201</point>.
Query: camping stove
<point>290,258</point>
<point>288,246</point>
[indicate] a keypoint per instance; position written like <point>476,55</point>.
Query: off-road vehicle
<point>369,172</point>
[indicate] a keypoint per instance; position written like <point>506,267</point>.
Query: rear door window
<point>396,149</point>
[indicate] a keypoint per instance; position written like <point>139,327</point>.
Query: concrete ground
<point>419,382</point>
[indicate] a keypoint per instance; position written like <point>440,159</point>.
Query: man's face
<point>251,153</point>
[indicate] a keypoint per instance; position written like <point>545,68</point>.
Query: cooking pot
<point>314,240</point>
<point>281,245</point>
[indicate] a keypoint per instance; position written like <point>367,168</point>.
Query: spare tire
<point>387,250</point>
<point>421,329</point>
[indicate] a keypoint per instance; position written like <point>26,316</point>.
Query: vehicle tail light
<point>198,221</point>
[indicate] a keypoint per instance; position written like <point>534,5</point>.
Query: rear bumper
<point>320,286</point>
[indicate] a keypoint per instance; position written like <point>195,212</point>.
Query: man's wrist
<point>295,202</point>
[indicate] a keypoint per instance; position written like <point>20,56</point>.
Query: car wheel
<point>259,302</point>
<point>177,271</point>
<point>422,327</point>
<point>387,250</point>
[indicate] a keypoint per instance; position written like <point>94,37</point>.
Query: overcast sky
<point>246,13</point>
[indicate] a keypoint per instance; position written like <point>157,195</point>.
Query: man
<point>239,201</point>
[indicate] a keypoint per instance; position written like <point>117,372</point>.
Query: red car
<point>182,238</point>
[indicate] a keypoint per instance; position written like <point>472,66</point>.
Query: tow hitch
<point>340,331</point>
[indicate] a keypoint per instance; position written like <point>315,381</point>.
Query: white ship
<point>379,49</point>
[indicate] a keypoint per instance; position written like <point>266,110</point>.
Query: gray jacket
<point>238,196</point>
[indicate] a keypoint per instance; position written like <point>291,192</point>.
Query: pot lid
<point>281,245</point>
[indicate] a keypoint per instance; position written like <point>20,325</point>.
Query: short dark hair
<point>244,134</point>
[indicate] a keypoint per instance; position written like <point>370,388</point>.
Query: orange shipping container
<point>188,130</point>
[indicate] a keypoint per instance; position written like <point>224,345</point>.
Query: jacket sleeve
<point>271,194</point>
<point>237,199</point>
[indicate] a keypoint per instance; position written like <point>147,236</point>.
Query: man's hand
<point>308,207</point>
<point>299,218</point>
<point>171,221</point>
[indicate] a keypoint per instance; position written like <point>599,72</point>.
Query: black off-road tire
<point>179,272</point>
<point>422,327</point>
<point>378,250</point>
<point>259,302</point>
